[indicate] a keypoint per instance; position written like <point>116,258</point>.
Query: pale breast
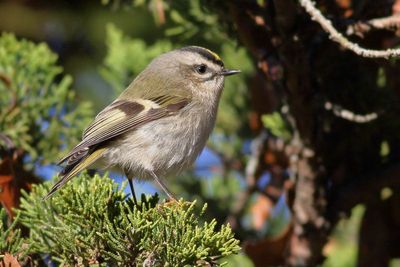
<point>166,146</point>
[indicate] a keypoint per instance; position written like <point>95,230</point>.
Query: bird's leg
<point>163,186</point>
<point>132,190</point>
<point>130,180</point>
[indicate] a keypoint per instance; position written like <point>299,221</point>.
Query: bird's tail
<point>70,171</point>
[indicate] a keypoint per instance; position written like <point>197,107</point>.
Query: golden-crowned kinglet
<point>159,125</point>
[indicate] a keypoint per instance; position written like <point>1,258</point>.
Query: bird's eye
<point>201,69</point>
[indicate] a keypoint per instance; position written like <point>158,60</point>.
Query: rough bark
<point>335,150</point>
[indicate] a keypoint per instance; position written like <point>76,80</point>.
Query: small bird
<point>159,125</point>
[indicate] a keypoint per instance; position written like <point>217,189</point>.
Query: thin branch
<point>252,168</point>
<point>13,103</point>
<point>159,10</point>
<point>253,163</point>
<point>386,23</point>
<point>8,143</point>
<point>350,115</point>
<point>336,36</point>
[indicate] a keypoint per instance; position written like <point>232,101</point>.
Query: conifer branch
<point>91,221</point>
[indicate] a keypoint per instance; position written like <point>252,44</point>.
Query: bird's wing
<point>116,119</point>
<point>122,116</point>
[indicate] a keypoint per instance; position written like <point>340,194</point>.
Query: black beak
<point>229,72</point>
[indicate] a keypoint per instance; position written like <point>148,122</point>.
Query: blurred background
<point>303,161</point>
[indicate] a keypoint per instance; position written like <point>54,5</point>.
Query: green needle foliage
<point>91,221</point>
<point>10,236</point>
<point>38,110</point>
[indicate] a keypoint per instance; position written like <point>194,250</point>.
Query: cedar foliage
<point>37,104</point>
<point>91,221</point>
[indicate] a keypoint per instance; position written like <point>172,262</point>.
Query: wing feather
<point>120,117</point>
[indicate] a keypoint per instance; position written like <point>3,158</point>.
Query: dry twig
<point>336,36</point>
<point>386,23</point>
<point>350,115</point>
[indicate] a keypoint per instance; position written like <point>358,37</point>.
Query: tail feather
<point>71,171</point>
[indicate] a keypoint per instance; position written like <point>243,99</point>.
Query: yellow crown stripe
<point>215,55</point>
